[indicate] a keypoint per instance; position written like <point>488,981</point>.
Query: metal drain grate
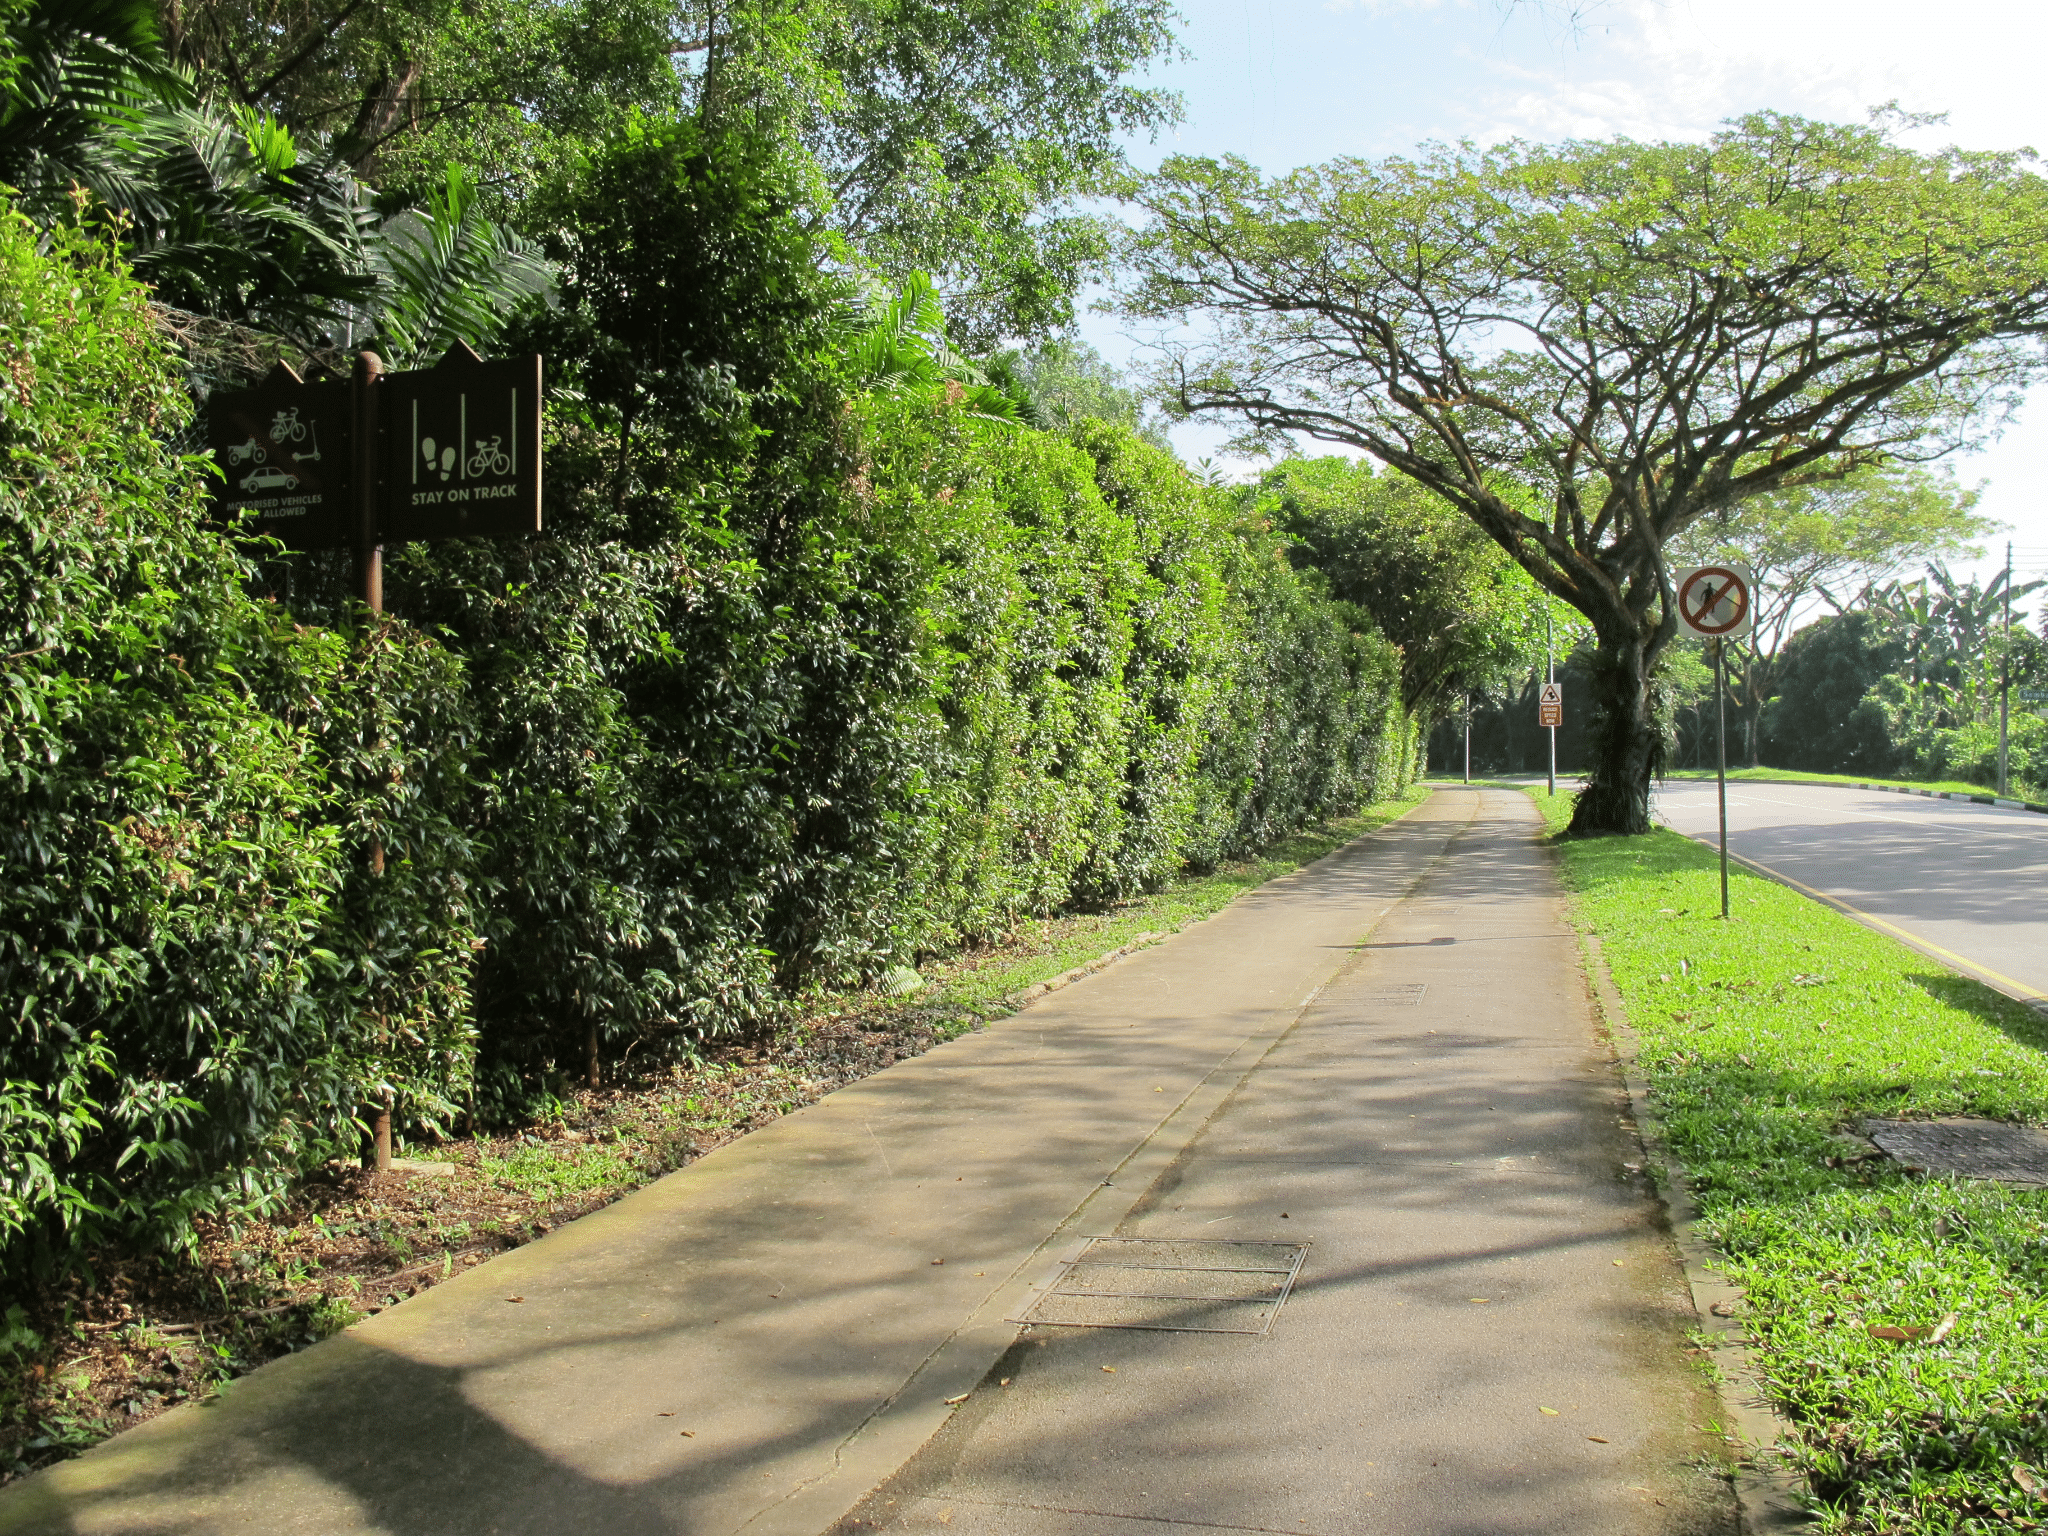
<point>1183,1286</point>
<point>1975,1149</point>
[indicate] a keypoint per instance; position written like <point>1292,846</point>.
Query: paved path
<point>1966,882</point>
<point>1442,1130</point>
<point>754,1343</point>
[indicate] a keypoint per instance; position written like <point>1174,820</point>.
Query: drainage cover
<point>1398,994</point>
<point>1183,1286</point>
<point>1975,1149</point>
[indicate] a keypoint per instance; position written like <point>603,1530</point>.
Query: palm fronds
<point>900,348</point>
<point>445,273</point>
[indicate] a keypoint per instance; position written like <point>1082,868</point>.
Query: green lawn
<point>1763,1038</point>
<point>1793,776</point>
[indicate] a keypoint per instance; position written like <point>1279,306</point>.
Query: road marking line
<point>2018,990</point>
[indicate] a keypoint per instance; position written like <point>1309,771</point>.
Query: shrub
<point>185,775</point>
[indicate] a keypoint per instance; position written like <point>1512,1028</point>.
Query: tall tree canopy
<point>955,137</point>
<point>1464,617</point>
<point>1587,348</point>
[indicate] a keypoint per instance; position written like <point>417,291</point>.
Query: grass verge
<point>1794,776</point>
<point>1763,1040</point>
<point>145,1332</point>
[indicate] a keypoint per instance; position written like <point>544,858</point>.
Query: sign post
<point>369,368</point>
<point>1717,603</point>
<point>1550,715</point>
<point>1552,695</point>
<point>315,466</point>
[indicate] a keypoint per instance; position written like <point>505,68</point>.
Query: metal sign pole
<point>1550,676</point>
<point>1721,742</point>
<point>370,585</point>
<point>2005,676</point>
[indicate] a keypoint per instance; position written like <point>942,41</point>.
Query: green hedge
<point>200,982</point>
<point>800,684</point>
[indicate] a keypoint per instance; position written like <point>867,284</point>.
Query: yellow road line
<point>2014,989</point>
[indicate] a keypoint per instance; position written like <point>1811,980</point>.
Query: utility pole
<point>2005,674</point>
<point>1550,676</point>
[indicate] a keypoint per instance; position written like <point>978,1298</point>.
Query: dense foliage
<point>201,982</point>
<point>813,673</point>
<point>1464,615</point>
<point>1910,680</point>
<point>958,137</point>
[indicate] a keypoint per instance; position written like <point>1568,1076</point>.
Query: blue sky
<point>1292,82</point>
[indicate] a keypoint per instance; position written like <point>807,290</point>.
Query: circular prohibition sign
<point>1712,588</point>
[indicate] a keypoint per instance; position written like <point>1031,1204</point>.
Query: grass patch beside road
<point>1762,1039</point>
<point>1851,780</point>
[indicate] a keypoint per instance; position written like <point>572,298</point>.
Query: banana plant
<point>1953,634</point>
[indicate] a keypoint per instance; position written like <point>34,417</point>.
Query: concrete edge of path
<point>1764,1490</point>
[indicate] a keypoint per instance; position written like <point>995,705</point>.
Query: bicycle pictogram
<point>490,458</point>
<point>287,428</point>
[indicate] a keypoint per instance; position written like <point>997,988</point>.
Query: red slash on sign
<point>1714,601</point>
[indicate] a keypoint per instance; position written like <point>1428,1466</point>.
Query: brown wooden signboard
<point>284,449</point>
<point>461,449</point>
<point>456,454</point>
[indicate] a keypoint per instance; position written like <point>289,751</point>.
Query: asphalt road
<point>1967,883</point>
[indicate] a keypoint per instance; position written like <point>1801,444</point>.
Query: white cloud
<point>1676,69</point>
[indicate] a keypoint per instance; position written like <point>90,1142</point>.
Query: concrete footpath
<point>1383,1067</point>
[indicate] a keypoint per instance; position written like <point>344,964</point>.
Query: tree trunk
<point>1623,737</point>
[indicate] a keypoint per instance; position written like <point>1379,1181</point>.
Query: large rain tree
<point>1587,348</point>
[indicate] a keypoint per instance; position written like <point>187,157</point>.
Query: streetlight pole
<point>2005,675</point>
